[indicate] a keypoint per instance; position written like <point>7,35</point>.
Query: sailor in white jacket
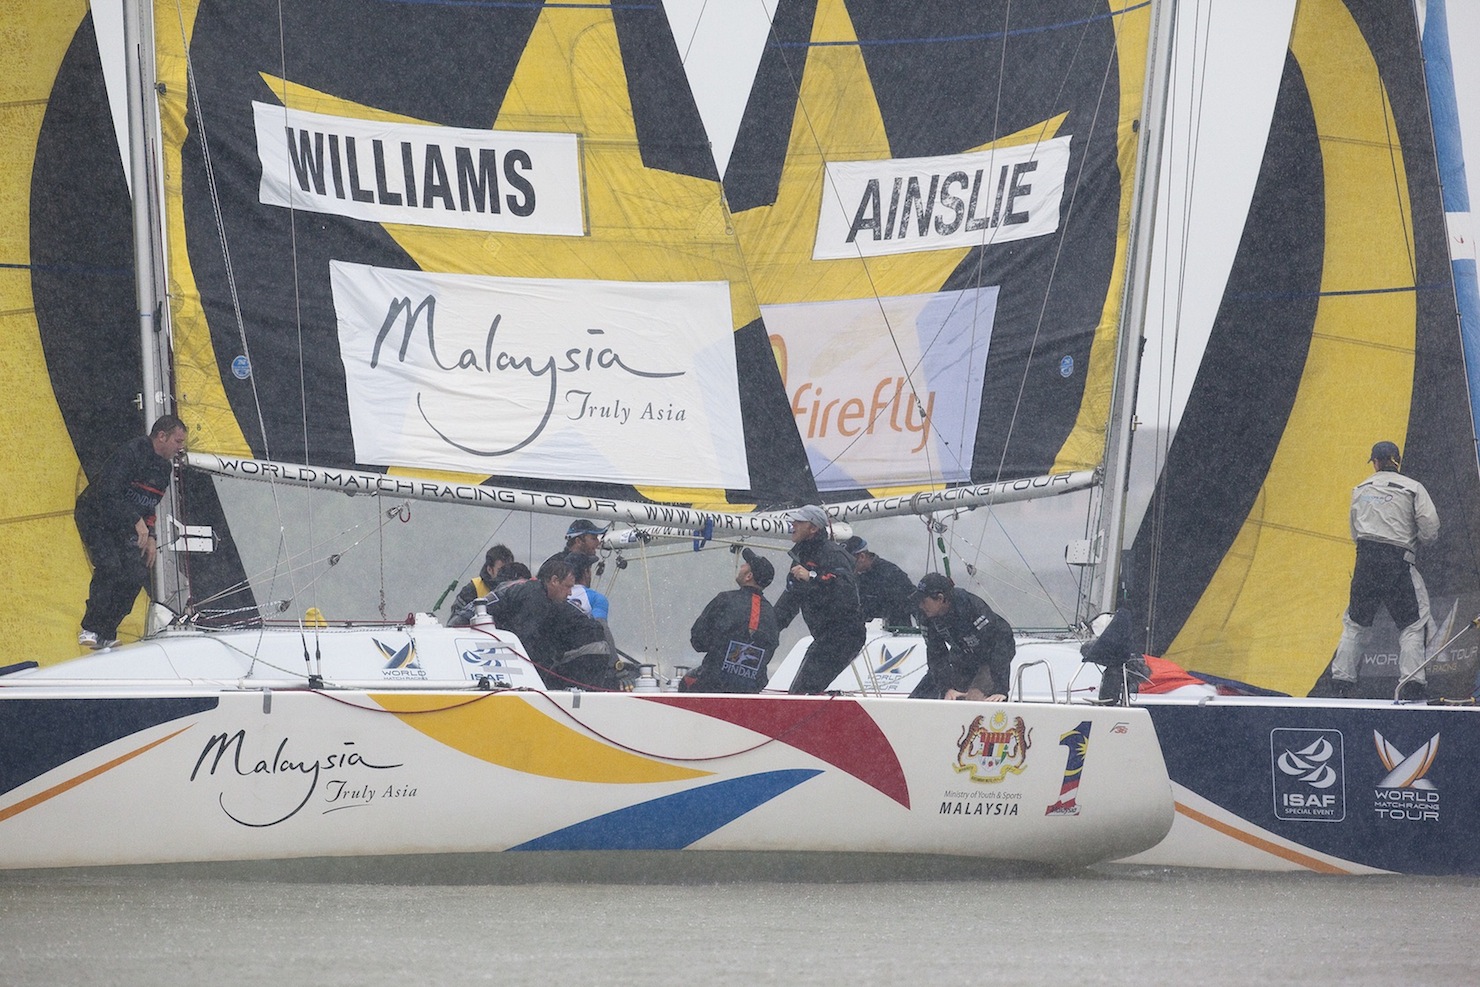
<point>1391,515</point>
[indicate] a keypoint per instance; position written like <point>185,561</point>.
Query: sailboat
<point>480,254</point>
<point>1336,328</point>
<point>932,306</point>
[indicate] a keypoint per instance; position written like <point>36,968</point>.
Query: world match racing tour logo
<point>1404,794</point>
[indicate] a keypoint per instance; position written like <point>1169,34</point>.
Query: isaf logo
<point>493,661</point>
<point>1309,775</point>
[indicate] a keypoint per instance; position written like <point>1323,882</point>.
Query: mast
<point>1110,533</point>
<point>1450,154</point>
<point>154,398</point>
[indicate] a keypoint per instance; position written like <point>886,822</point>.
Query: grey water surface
<point>1106,926</point>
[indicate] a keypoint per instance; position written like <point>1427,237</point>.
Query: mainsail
<point>523,267</point>
<point>511,260</point>
<point>514,263</point>
<point>933,201</point>
<point>1337,329</point>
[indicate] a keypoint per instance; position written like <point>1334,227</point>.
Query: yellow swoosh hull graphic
<point>513,734</point>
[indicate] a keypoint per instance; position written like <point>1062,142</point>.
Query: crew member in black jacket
<point>968,647</point>
<point>115,516</point>
<point>824,588</point>
<point>883,588</point>
<point>737,631</point>
<point>568,647</point>
<point>494,562</point>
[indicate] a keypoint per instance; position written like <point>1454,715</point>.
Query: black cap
<point>761,569</point>
<point>580,526</point>
<point>931,584</point>
<point>855,545</point>
<point>1384,452</point>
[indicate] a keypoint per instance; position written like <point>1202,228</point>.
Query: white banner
<point>886,392</point>
<point>630,382</point>
<point>903,205</point>
<point>382,172</point>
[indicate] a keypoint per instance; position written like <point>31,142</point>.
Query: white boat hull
<point>1246,796</point>
<point>1320,785</point>
<point>129,773</point>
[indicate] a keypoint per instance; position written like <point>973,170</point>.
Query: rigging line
<point>380,548</point>
<point>868,275</point>
<point>44,516</point>
<point>954,38</point>
<point>974,568</point>
<point>383,519</point>
<point>649,599</point>
<point>981,251</point>
<point>482,551</point>
<point>1058,252</point>
<point>1110,63</point>
<point>990,240</point>
<point>979,248</point>
<point>684,57</point>
<point>296,562</point>
<point>909,370</point>
<point>1161,450</point>
<point>297,285</point>
<point>215,199</point>
<point>220,224</point>
<point>987,239</point>
<point>243,585</point>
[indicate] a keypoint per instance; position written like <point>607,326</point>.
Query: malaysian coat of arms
<point>990,751</point>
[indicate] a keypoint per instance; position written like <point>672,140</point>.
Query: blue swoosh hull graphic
<point>674,821</point>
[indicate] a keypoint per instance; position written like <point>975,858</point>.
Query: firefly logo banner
<point>864,423</point>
